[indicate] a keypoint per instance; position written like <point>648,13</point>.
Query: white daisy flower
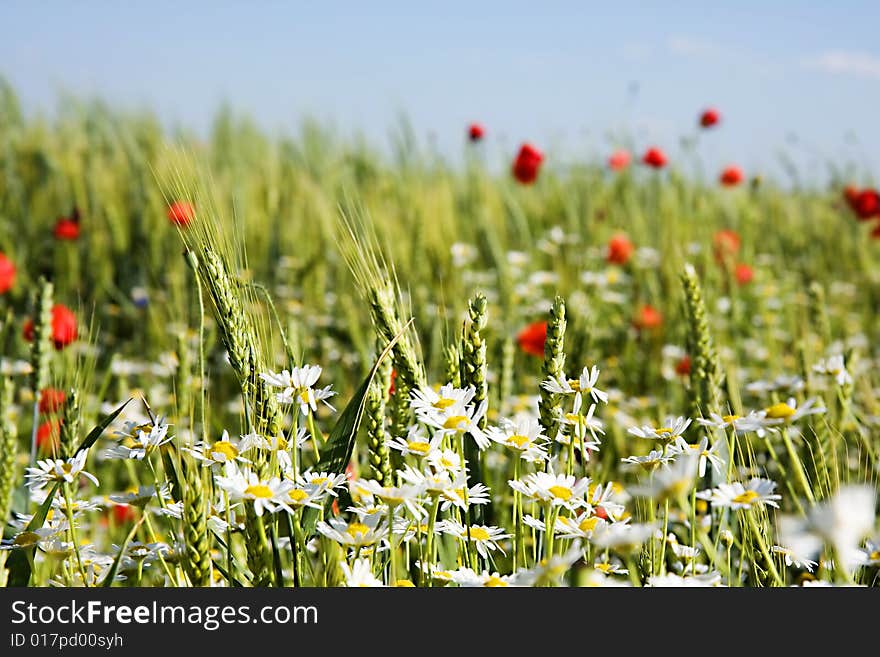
<point>416,443</point>
<point>555,489</point>
<point>298,387</point>
<point>66,471</point>
<point>225,450</point>
<point>585,384</point>
<point>360,574</point>
<point>139,440</point>
<point>523,434</point>
<point>673,428</point>
<point>706,454</point>
<point>651,461</point>
<point>270,495</point>
<point>485,538</point>
<point>362,532</point>
<point>757,492</point>
<point>836,368</point>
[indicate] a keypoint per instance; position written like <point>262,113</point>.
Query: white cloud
<point>842,62</point>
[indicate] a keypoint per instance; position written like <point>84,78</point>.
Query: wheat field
<point>254,360</point>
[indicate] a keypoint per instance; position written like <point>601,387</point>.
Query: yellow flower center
<point>560,492</point>
<point>588,524</point>
<point>478,534</point>
<point>664,431</point>
<point>317,481</point>
<point>298,494</point>
<point>225,448</point>
<point>574,384</point>
<point>443,402</point>
<point>494,581</point>
<point>456,422</point>
<point>419,447</point>
<point>874,556</point>
<point>519,441</point>
<point>281,443</point>
<point>780,411</point>
<point>729,418</point>
<point>261,491</point>
<point>356,528</point>
<point>404,583</point>
<point>748,497</point>
<point>604,567</point>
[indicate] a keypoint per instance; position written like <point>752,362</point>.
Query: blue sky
<point>800,76</point>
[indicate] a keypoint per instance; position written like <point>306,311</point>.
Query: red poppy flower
<point>865,203</point>
<point>619,160</point>
<point>710,117</point>
<point>731,176</point>
<point>7,274</point>
<point>648,318</point>
<point>620,249</point>
<point>51,400</point>
<point>63,326</point>
<point>654,158</point>
<point>180,213</point>
<point>683,367</point>
<point>476,131</point>
<point>527,163</point>
<point>744,274</point>
<point>66,229</point>
<point>532,338</point>
<point>48,435</point>
<point>725,243</point>
<point>123,514</point>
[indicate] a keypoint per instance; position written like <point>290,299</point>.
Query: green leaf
<point>95,433</point>
<point>340,443</point>
<point>19,562</point>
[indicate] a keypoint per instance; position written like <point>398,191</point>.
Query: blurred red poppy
<point>731,176</point>
<point>865,203</point>
<point>648,318</point>
<point>725,243</point>
<point>620,249</point>
<point>744,274</point>
<point>476,131</point>
<point>7,274</point>
<point>48,435</point>
<point>51,400</point>
<point>66,229</point>
<point>710,117</point>
<point>532,338</point>
<point>683,366</point>
<point>123,514</point>
<point>527,163</point>
<point>619,160</point>
<point>655,158</point>
<point>64,328</point>
<point>181,213</point>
